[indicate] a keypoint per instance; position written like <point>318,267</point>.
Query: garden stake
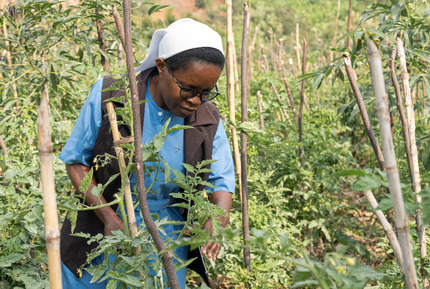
<point>102,43</point>
<point>302,100</point>
<point>377,150</point>
<point>335,32</point>
<point>137,129</point>
<point>402,116</point>
<point>121,162</point>
<point>9,58</point>
<point>230,94</point>
<point>414,155</point>
<point>290,95</point>
<point>401,218</point>
<point>284,111</point>
<point>299,68</point>
<point>260,109</point>
<point>52,230</point>
<point>363,111</point>
<point>243,137</point>
<point>389,232</point>
<point>118,24</point>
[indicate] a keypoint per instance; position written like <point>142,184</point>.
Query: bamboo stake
<point>414,155</point>
<point>102,44</point>
<point>382,111</point>
<point>363,111</point>
<point>335,31</point>
<point>260,109</point>
<point>302,100</point>
<point>284,111</point>
<point>349,46</point>
<point>52,230</point>
<point>9,60</point>
<point>290,95</point>
<point>402,116</point>
<point>230,93</point>
<point>243,137</point>
<point>389,232</point>
<point>299,68</point>
<point>137,130</point>
<point>127,191</point>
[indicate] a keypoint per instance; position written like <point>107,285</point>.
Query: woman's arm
<point>107,215</point>
<point>224,200</point>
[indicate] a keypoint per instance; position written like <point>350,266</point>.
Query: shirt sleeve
<point>222,175</point>
<point>80,145</point>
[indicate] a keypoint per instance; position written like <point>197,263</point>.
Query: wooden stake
<point>302,100</point>
<point>230,94</point>
<point>382,111</point>
<point>290,95</point>
<point>102,44</point>
<point>299,67</point>
<point>410,114</point>
<point>260,109</point>
<point>52,230</point>
<point>243,137</point>
<point>127,191</point>
<point>137,129</point>
<point>389,232</point>
<point>363,111</point>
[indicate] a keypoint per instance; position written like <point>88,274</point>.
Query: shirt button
<point>160,113</point>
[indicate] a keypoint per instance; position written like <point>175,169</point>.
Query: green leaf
<point>248,126</point>
<point>8,260</point>
<point>86,182</point>
<point>156,8</point>
<point>317,81</point>
<point>368,182</point>
<point>353,172</point>
<point>53,78</point>
<point>73,217</point>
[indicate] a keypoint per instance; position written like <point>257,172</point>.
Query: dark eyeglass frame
<point>194,92</point>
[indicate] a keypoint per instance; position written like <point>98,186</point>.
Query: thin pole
<point>410,114</point>
<point>120,155</point>
<point>243,137</point>
<point>102,44</point>
<point>302,100</point>
<point>363,111</point>
<point>52,230</point>
<point>137,130</point>
<point>230,93</point>
<point>382,111</point>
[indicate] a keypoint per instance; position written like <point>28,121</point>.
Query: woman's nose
<point>195,101</point>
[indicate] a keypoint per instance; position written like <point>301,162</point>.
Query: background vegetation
<point>309,224</point>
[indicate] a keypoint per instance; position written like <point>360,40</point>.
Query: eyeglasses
<point>188,92</point>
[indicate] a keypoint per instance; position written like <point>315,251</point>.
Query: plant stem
<point>382,111</point>
<point>137,129</point>
<point>243,137</point>
<point>48,188</point>
<point>102,43</point>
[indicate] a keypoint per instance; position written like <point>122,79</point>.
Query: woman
<point>177,78</point>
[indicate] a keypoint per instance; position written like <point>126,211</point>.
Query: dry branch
<point>290,95</point>
<point>401,218</point>
<point>230,93</point>
<point>243,136</point>
<point>120,155</point>
<point>137,129</point>
<point>410,114</point>
<point>52,230</point>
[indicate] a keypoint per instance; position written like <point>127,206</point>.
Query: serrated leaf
<point>86,182</point>
<point>73,217</point>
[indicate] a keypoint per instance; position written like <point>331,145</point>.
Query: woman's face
<point>198,75</point>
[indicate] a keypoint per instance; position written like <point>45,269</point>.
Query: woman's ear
<point>160,64</point>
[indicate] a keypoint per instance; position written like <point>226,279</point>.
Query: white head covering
<point>181,35</point>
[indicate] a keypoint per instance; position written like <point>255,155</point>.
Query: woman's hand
<point>113,223</point>
<point>223,200</point>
